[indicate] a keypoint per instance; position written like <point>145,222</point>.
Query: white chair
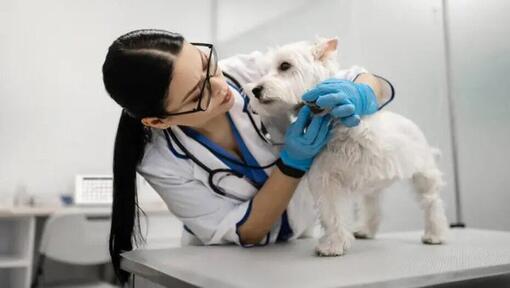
<point>75,238</point>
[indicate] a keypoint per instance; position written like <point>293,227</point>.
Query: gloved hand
<point>300,146</point>
<point>346,100</point>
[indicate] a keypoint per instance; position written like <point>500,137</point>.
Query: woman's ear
<point>157,123</point>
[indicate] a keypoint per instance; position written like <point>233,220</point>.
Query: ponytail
<point>128,152</point>
<point>136,73</point>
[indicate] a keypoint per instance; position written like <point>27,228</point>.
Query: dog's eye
<point>284,66</point>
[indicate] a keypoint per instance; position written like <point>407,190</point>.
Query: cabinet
<point>16,250</point>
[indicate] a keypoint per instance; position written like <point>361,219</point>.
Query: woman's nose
<point>218,84</point>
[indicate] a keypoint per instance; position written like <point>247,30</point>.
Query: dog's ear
<point>323,48</point>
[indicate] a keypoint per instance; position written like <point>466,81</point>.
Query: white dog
<point>360,161</point>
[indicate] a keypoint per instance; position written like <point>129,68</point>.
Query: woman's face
<point>190,69</point>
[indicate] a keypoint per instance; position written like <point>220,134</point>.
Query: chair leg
<point>39,271</point>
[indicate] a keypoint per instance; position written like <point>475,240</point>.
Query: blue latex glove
<point>346,100</point>
<point>300,145</point>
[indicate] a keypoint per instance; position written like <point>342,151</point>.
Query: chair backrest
<point>76,238</point>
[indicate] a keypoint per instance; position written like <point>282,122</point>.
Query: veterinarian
<point>188,129</point>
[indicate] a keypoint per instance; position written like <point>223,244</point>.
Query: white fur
<point>358,162</point>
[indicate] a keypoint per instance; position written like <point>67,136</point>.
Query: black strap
<point>289,171</point>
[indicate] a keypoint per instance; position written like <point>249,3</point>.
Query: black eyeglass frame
<point>206,81</point>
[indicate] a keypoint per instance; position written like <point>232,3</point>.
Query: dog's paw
<point>330,245</point>
<point>364,234</point>
<point>431,239</point>
<point>437,235</point>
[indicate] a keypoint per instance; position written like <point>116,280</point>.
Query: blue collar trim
<point>258,176</point>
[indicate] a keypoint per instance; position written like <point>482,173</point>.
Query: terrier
<point>358,162</point>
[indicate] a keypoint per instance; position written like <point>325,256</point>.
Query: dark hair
<point>136,74</point>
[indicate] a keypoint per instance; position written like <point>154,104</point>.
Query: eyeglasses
<point>204,99</point>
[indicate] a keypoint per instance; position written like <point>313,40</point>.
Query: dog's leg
<point>369,216</point>
<point>336,238</point>
<point>428,185</point>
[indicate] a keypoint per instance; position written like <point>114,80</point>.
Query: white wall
<point>480,62</point>
<point>56,119</point>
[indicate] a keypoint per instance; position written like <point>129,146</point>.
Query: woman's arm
<point>301,146</point>
<point>383,90</point>
<point>268,205</point>
<point>374,83</point>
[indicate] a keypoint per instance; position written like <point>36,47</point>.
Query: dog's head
<point>294,69</point>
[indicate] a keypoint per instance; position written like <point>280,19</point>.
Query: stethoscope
<point>262,132</point>
<point>169,134</point>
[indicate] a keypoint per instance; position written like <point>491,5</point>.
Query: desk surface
<point>21,211</point>
<point>391,260</point>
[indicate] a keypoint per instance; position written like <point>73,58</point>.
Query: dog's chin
<point>266,101</point>
<point>269,107</point>
<point>263,110</point>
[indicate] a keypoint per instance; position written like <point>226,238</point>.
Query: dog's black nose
<point>257,91</point>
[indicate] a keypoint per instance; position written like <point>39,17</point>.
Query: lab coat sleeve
<point>211,218</point>
<point>246,68</point>
<point>353,72</point>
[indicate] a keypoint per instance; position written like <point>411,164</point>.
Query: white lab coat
<point>210,218</point>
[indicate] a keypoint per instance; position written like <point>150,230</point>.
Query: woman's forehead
<point>186,74</point>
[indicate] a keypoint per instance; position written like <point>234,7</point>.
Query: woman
<point>188,129</point>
